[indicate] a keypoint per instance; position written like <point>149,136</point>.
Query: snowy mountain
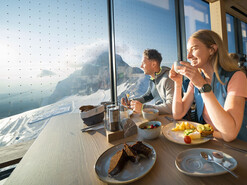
<point>93,76</point>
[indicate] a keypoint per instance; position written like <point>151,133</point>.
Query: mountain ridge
<point>93,76</point>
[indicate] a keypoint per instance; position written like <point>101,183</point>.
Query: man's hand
<point>124,103</point>
<point>136,106</point>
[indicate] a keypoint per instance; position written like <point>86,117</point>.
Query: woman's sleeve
<point>237,86</point>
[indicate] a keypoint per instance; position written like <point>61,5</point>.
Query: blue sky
<point>47,35</point>
<point>146,24</point>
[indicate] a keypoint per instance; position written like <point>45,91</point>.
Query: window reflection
<point>197,16</point>
<point>230,33</point>
<point>244,36</point>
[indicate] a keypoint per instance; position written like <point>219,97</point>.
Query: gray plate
<point>131,171</point>
<point>191,163</point>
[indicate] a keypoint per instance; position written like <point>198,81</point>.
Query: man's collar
<point>156,74</point>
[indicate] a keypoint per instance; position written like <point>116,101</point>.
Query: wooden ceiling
<point>237,8</point>
<point>241,3</point>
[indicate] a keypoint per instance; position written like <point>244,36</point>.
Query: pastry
<point>140,148</point>
<point>117,162</point>
<point>205,130</point>
<point>132,154</point>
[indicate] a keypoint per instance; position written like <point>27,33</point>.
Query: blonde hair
<point>220,57</point>
<point>234,56</point>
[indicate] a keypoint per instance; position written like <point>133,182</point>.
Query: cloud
<point>45,72</point>
<point>130,55</point>
<point>195,16</point>
<point>159,3</point>
<point>77,56</point>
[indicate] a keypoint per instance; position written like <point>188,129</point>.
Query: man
<point>161,87</point>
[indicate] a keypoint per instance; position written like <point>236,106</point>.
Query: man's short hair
<point>152,54</point>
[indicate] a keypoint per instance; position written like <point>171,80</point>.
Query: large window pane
<point>139,25</point>
<point>197,16</point>
<point>244,36</point>
<point>54,58</point>
<point>230,33</point>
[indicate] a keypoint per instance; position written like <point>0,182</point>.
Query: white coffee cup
<point>176,64</point>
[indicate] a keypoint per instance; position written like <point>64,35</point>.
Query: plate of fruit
<point>187,132</point>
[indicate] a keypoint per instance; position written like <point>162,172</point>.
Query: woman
<point>217,85</point>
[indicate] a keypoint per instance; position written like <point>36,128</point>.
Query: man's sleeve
<point>146,97</point>
<point>166,96</point>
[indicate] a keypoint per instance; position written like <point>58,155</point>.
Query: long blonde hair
<point>220,57</point>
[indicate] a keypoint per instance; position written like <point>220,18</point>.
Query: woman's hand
<point>176,77</point>
<point>192,74</point>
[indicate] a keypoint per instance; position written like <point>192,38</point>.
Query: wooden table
<point>62,154</point>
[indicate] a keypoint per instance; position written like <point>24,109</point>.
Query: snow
<point>28,125</point>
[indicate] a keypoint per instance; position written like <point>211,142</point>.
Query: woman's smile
<point>194,62</point>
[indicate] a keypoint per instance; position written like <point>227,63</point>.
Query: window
<point>244,36</point>
<point>139,25</point>
<point>230,34</point>
<point>54,58</point>
<point>197,16</point>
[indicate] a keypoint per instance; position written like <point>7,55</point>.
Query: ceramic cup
<point>176,64</point>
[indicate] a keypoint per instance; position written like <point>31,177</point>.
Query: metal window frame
<point>180,29</point>
<point>238,36</point>
<point>112,51</point>
<point>235,26</point>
